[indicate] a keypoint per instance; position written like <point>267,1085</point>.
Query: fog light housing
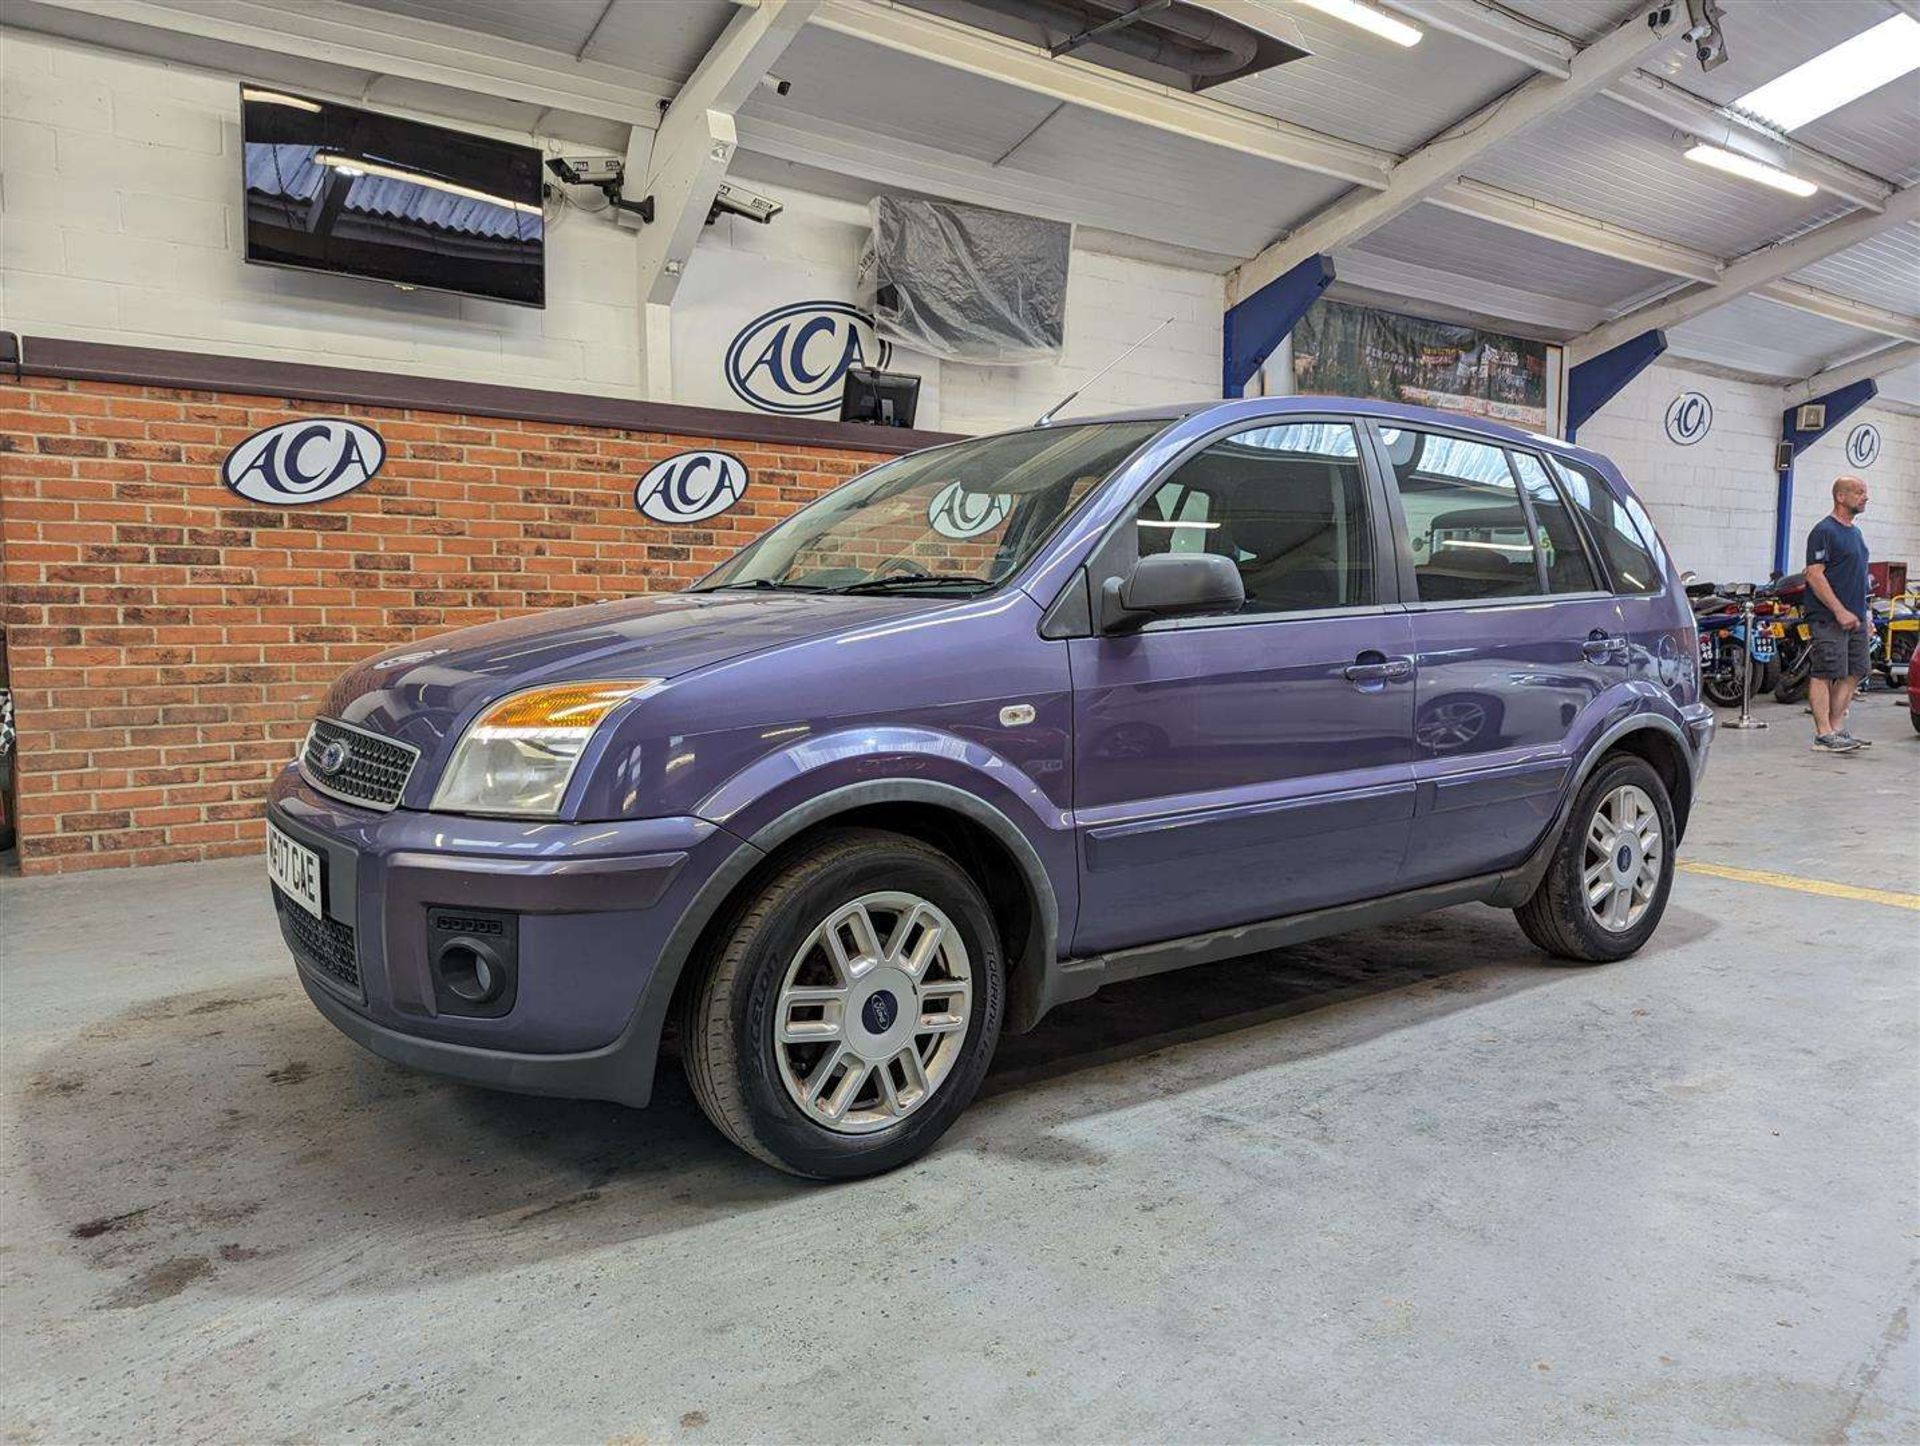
<point>474,955</point>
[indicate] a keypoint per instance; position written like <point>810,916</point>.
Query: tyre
<point>1602,895</point>
<point>1791,688</point>
<point>849,1009</point>
<point>1914,718</point>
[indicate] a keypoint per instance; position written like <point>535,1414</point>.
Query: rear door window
<point>1566,557</point>
<point>1624,540</point>
<point>1466,526</point>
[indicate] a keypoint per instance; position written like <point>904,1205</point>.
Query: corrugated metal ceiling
<point>1757,336</point>
<point>1447,241</point>
<point>1881,271</point>
<point>1354,86</point>
<point>1614,164</point>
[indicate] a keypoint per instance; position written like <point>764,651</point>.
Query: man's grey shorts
<point>1838,653</point>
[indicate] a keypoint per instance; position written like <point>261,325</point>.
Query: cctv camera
<point>735,199</point>
<point>587,170</point>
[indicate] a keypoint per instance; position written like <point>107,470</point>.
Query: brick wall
<point>168,639</point>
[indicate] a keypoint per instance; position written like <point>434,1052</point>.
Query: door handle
<point>1384,670</point>
<point>1598,647</point>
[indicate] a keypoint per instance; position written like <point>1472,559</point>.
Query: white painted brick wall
<point>1714,501</point>
<point>1112,301</point>
<point>119,222</point>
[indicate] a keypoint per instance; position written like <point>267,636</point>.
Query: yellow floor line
<point>1805,886</point>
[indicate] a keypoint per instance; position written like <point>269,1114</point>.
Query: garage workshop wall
<point>168,639</point>
<point>122,177</point>
<point>1714,500</point>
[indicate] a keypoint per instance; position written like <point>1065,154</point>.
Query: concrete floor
<point>1411,1184</point>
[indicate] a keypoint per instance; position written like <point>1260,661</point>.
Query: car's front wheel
<point>849,1011</point>
<point>1604,891</point>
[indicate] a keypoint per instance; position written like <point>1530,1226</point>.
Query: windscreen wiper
<point>913,579</point>
<point>761,582</point>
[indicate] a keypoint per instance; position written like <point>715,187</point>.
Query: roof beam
<point>1440,162</point>
<point>1548,52</point>
<point>1755,269</point>
<point>1569,228</point>
<point>1583,233</point>
<point>1198,117</point>
<point>333,33</point>
<point>1843,309</point>
<point>1490,28</point>
<point>1865,369</point>
<point>1671,105</point>
<point>696,139</point>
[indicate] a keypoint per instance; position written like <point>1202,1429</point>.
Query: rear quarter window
<point>1620,528</point>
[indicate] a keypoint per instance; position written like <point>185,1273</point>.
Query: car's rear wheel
<point>1604,891</point>
<point>850,1009</point>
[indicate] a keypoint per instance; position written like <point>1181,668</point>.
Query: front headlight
<point>518,756</point>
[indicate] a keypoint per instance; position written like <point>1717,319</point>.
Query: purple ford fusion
<point>983,730</point>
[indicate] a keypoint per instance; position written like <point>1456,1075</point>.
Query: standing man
<point>1837,616</point>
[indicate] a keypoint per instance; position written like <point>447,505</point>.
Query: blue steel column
<point>1598,380</point>
<point>1840,405</point>
<point>1257,325</point>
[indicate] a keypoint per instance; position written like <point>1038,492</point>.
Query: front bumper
<point>596,907</point>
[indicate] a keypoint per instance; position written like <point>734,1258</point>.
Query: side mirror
<point>1171,585</point>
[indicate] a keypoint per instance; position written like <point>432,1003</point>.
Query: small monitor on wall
<point>333,188</point>
<point>888,399</point>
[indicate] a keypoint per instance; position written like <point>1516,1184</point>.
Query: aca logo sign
<point>1689,418</point>
<point>793,358</point>
<point>1863,445</point>
<point>959,514</point>
<point>310,460</point>
<point>691,487</point>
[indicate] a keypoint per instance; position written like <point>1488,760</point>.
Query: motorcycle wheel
<point>1722,686</point>
<point>1791,688</point>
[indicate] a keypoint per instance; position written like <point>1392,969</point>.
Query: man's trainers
<point>1856,742</point>
<point>1835,743</point>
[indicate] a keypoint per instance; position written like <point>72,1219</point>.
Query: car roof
<point>1359,406</point>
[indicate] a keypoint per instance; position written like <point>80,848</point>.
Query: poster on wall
<point>1340,349</point>
<point>754,333</point>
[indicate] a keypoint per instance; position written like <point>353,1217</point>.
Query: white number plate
<point>294,870</point>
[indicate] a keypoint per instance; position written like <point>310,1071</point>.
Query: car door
<point>1233,769</point>
<point>1514,637</point>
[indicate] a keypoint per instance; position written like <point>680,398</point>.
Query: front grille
<point>322,945</point>
<point>370,770</point>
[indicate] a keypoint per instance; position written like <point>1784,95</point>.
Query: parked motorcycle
<point>1901,631</point>
<point>1732,664</point>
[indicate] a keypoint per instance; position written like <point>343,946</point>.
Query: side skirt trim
<point>1078,978</point>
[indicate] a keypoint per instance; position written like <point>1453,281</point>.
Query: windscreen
<point>954,519</point>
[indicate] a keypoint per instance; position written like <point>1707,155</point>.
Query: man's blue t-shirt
<point>1843,551</point>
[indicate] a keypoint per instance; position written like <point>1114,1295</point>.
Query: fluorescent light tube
<point>1851,69</point>
<point>1374,22</point>
<point>1748,169</point>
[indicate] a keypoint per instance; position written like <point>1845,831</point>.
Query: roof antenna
<point>1067,400</point>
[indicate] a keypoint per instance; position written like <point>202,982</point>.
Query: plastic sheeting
<point>966,283</point>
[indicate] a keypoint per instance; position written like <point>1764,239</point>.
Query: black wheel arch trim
<point>1517,884</point>
<point>1036,955</point>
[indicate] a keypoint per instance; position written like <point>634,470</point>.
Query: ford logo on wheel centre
<point>308,460</point>
<point>793,358</point>
<point>691,487</point>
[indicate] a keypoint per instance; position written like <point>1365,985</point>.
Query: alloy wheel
<point>1621,869</point>
<point>872,1012</point>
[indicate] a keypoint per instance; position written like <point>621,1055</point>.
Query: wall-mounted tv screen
<point>333,188</point>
